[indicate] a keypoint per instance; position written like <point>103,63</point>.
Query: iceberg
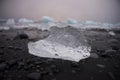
<point>62,43</point>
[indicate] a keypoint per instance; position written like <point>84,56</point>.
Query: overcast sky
<point>98,10</point>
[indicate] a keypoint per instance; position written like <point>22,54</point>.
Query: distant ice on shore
<point>46,22</point>
<point>24,20</point>
<point>47,19</point>
<point>10,21</point>
<point>72,21</point>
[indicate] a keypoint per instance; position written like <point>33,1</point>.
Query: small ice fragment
<point>111,33</point>
<point>4,28</point>
<point>91,23</point>
<point>47,19</point>
<point>20,26</point>
<point>72,21</point>
<point>10,21</point>
<point>24,20</point>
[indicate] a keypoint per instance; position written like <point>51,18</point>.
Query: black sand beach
<point>17,64</point>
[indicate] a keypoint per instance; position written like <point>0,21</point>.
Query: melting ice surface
<point>63,43</point>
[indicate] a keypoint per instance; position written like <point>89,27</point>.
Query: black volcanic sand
<point>17,64</point>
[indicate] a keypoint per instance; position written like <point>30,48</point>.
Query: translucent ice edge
<point>44,48</point>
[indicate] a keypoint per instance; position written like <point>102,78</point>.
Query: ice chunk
<point>111,33</point>
<point>24,20</point>
<point>44,48</point>
<point>61,24</point>
<point>43,26</point>
<point>4,28</point>
<point>72,21</point>
<point>47,19</point>
<point>20,26</point>
<point>63,43</point>
<point>91,23</point>
<point>10,21</point>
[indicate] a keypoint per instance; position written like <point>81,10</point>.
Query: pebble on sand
<point>94,55</point>
<point>34,76</point>
<point>111,75</point>
<point>22,36</point>
<point>100,65</point>
<point>3,66</point>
